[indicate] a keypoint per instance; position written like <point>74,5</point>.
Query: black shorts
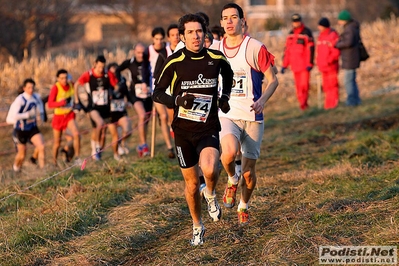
<point>190,144</point>
<point>115,116</point>
<point>104,112</point>
<point>147,103</point>
<point>23,137</point>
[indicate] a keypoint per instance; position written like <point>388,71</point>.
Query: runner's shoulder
<point>216,54</point>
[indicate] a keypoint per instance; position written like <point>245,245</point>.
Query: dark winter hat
<point>296,17</point>
<point>324,22</point>
<point>344,15</point>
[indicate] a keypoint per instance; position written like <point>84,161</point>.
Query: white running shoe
<point>121,151</point>
<point>16,168</point>
<point>214,209</point>
<point>117,157</point>
<point>78,161</point>
<point>198,235</point>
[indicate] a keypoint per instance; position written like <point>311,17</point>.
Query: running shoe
<point>121,151</point>
<point>117,157</point>
<point>214,209</point>
<point>171,153</point>
<point>125,149</point>
<point>198,236</point>
<point>16,168</point>
<point>33,160</point>
<point>78,161</point>
<point>139,150</point>
<point>97,154</point>
<point>146,150</point>
<point>229,196</point>
<point>142,150</point>
<point>243,216</point>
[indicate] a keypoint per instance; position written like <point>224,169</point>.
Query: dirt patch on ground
<point>376,123</point>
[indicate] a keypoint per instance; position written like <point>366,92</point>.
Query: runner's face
<point>138,53</point>
<point>62,79</point>
<point>296,24</point>
<point>99,68</point>
<point>207,43</point>
<point>29,87</point>
<point>193,36</point>
<point>231,22</point>
<point>173,37</point>
<point>157,40</point>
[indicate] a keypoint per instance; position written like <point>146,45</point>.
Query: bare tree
<point>40,20</point>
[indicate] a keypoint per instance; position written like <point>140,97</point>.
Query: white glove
<point>31,113</point>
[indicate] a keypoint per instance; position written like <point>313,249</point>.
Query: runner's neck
<point>234,40</point>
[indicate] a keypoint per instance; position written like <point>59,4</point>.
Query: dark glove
<point>282,70</point>
<point>186,101</point>
<point>308,68</point>
<point>31,113</point>
<point>224,104</point>
<point>68,101</point>
<point>77,107</point>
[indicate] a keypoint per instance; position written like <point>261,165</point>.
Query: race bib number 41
<point>200,110</point>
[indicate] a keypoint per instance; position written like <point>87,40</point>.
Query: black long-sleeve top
<point>198,74</point>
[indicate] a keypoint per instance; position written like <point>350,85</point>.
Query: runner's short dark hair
<point>61,71</point>
<point>101,59</point>
<point>191,18</point>
<point>113,64</point>
<point>234,5</point>
<point>204,16</point>
<point>28,80</point>
<point>171,26</point>
<point>158,30</point>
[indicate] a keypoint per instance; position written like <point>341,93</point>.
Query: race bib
<point>100,97</point>
<point>118,105</point>
<point>200,110</point>
<point>140,93</point>
<point>239,87</point>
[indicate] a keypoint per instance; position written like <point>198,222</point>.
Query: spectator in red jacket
<point>327,62</point>
<point>299,54</point>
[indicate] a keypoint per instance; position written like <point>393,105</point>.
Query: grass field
<point>324,178</point>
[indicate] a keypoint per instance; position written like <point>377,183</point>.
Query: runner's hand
<point>224,104</point>
<point>67,101</point>
<point>31,113</point>
<point>186,101</point>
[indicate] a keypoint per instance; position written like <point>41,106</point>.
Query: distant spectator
<point>299,54</point>
<point>217,32</point>
<point>327,62</point>
<point>348,43</point>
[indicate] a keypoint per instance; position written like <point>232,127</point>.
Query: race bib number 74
<point>200,110</point>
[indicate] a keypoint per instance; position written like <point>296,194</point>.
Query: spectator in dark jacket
<point>348,44</point>
<point>299,54</point>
